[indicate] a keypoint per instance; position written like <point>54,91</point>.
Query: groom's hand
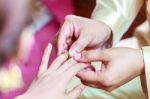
<point>78,33</point>
<point>119,65</point>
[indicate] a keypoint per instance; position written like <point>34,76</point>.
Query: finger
<point>94,85</point>
<point>88,76</point>
<point>66,31</point>
<point>79,45</point>
<point>96,79</point>
<point>44,62</point>
<point>69,41</point>
<point>91,55</point>
<point>72,71</point>
<point>75,93</point>
<point>58,62</point>
<point>67,64</point>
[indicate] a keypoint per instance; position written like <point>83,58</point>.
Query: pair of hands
<point>84,39</point>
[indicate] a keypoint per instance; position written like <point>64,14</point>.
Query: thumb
<point>91,55</point>
<point>79,45</point>
<point>75,93</point>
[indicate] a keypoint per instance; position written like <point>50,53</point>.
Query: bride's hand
<point>52,81</point>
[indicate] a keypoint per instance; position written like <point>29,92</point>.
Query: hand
<point>52,82</point>
<point>78,33</point>
<point>119,65</point>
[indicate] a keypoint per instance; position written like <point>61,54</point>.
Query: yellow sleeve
<point>117,14</point>
<point>146,53</point>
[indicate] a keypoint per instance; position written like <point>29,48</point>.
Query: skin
<point>119,66</point>
<point>84,39</point>
<point>78,34</point>
<point>49,77</point>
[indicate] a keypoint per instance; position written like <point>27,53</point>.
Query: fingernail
<point>77,56</point>
<point>72,52</point>
<point>49,45</point>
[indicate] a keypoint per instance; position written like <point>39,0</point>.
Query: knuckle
<point>107,81</point>
<point>79,44</point>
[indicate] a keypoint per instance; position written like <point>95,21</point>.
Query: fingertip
<point>49,46</point>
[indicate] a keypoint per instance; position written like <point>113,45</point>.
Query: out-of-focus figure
<point>14,16</point>
<point>32,27</point>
